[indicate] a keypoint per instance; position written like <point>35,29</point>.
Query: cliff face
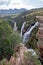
<point>24,57</point>
<point>40,36</point>
<point>20,55</point>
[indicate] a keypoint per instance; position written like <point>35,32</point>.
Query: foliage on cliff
<point>8,39</point>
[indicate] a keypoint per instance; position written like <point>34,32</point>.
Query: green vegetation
<point>30,17</point>
<point>8,40</point>
<point>30,60</point>
<point>4,62</point>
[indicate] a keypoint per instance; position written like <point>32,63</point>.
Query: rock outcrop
<point>23,56</point>
<point>20,55</point>
<point>40,36</point>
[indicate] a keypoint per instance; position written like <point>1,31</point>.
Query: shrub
<point>30,60</point>
<point>8,39</point>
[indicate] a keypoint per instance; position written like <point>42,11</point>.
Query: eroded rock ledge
<point>40,36</point>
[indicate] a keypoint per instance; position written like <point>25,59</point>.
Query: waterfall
<point>22,29</point>
<point>15,26</point>
<point>26,35</point>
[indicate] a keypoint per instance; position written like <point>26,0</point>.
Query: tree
<point>8,39</point>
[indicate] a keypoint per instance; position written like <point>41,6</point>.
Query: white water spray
<point>33,53</point>
<point>26,35</point>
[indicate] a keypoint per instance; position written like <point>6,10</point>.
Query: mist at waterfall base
<point>26,35</point>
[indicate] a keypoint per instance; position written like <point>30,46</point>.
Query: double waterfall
<point>26,35</point>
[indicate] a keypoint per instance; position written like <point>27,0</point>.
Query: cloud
<point>35,3</point>
<point>4,2</point>
<point>28,4</point>
<point>16,6</point>
<point>41,0</point>
<point>15,3</point>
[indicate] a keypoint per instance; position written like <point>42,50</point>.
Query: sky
<point>28,4</point>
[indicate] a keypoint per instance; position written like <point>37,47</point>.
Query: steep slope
<point>23,57</point>
<point>29,16</point>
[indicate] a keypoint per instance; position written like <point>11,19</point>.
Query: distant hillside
<point>12,11</point>
<point>29,16</point>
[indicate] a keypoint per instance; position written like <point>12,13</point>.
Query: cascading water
<point>26,35</point>
<point>15,27</point>
<point>22,29</point>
